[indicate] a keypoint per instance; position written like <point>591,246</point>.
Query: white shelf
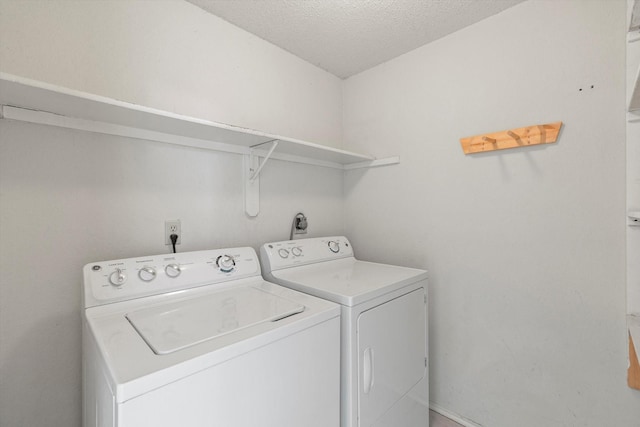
<point>633,317</point>
<point>634,18</point>
<point>38,102</point>
<point>633,36</point>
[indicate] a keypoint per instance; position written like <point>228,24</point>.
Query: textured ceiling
<point>345,37</point>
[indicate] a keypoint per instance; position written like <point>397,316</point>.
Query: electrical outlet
<point>172,227</point>
<point>300,224</point>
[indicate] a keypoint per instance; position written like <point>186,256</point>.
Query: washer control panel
<point>123,279</point>
<point>291,253</point>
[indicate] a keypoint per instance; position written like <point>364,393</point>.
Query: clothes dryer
<point>384,345</point>
<point>200,339</point>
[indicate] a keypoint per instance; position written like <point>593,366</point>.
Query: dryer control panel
<point>290,253</point>
<point>119,280</point>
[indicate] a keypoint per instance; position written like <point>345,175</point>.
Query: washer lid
<point>347,281</point>
<point>177,325</point>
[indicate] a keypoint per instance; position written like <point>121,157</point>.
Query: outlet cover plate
<point>172,227</point>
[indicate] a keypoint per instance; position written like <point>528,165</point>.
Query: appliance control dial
<point>147,274</point>
<point>226,263</point>
<point>173,270</point>
<point>117,278</point>
<point>297,251</point>
<point>334,246</point>
<point>283,253</point>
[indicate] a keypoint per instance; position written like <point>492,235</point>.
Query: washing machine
<point>384,345</point>
<point>201,339</point>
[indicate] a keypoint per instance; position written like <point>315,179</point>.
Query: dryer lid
<point>177,325</point>
<point>347,281</point>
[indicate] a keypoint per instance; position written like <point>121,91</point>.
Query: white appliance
<point>200,339</point>
<point>384,364</point>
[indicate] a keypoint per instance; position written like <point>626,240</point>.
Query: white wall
<point>68,197</point>
<point>170,55</point>
<point>525,248</point>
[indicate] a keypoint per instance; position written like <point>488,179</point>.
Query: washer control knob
<point>334,246</point>
<point>147,274</point>
<point>283,253</point>
<point>173,270</point>
<point>117,278</point>
<point>296,251</point>
<point>226,263</point>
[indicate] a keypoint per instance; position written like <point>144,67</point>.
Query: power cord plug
<point>174,239</point>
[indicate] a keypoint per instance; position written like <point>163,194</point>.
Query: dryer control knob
<point>173,270</point>
<point>334,246</point>
<point>117,278</point>
<point>226,263</point>
<point>296,251</point>
<point>147,274</point>
<point>283,253</point>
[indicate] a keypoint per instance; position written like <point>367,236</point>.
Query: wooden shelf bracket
<point>633,371</point>
<point>513,138</point>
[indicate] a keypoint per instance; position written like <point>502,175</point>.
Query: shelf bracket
<point>252,168</point>
<point>256,174</point>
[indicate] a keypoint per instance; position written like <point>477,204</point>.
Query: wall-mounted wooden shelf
<point>513,138</point>
<point>633,372</point>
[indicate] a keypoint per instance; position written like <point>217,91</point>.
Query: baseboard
<point>454,417</point>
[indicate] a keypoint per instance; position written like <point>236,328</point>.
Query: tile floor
<point>437,420</point>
